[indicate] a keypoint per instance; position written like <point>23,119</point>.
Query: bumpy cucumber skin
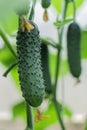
<point>45,68</point>
<point>45,3</point>
<point>29,66</point>
<point>73,49</point>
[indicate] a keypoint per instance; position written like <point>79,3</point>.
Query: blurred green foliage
<point>84,44</point>
<point>19,111</point>
<point>58,6</point>
<point>6,57</point>
<point>60,23</point>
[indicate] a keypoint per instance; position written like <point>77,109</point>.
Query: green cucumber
<point>29,65</point>
<point>73,49</point>
<point>45,67</point>
<point>45,3</point>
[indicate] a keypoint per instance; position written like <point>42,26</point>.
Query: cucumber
<point>45,67</point>
<point>73,49</point>
<point>45,3</point>
<point>29,65</point>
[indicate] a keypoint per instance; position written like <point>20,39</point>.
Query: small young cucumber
<point>45,3</point>
<point>45,67</point>
<point>73,49</point>
<point>29,64</point>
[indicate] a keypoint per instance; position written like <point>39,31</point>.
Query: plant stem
<point>59,51</point>
<point>31,15</point>
<point>58,114</point>
<point>7,42</point>
<point>74,14</point>
<point>65,10</point>
<point>49,42</point>
<point>9,69</point>
<point>30,122</point>
<point>34,3</point>
<point>54,92</point>
<point>20,20</point>
<point>57,70</point>
<point>56,74</point>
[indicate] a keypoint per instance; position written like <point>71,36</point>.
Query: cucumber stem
<point>49,42</point>
<point>7,42</point>
<point>58,114</point>
<point>30,121</point>
<point>9,69</point>
<point>31,15</point>
<point>74,6</point>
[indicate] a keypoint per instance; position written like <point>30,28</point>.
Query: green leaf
<point>19,110</point>
<point>47,121</point>
<point>67,112</point>
<point>6,57</point>
<point>11,23</point>
<point>84,45</point>
<point>60,23</point>
<point>57,4</point>
<point>15,77</point>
